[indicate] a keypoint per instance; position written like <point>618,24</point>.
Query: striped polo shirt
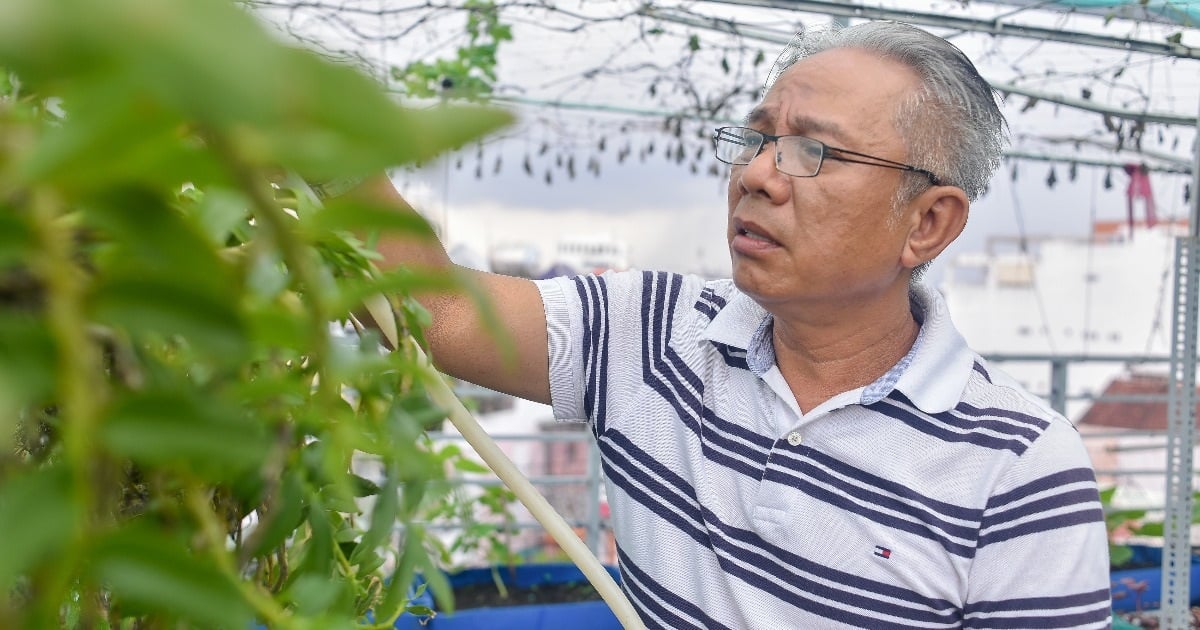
<point>940,496</point>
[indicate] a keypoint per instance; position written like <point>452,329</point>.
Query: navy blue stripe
<point>1099,596</point>
<point>1063,521</point>
<point>732,463</point>
<point>737,439</point>
<point>635,594</point>
<point>1042,484</point>
<point>890,520</point>
<point>687,409</point>
<point>659,386</point>
<point>589,338</point>
<point>645,604</point>
<point>826,611</point>
<point>665,312</point>
<point>977,419</point>
<point>891,487</point>
<point>924,425</point>
<point>1065,499</point>
<point>711,296</point>
<point>968,409</point>
<point>978,367</point>
<point>620,452</point>
<point>657,590</point>
<point>599,422</point>
<point>659,509</point>
<point>801,564</point>
<point>681,366</point>
<point>807,470</point>
<point>1072,620</point>
<point>739,432</point>
<point>771,559</point>
<point>737,361</point>
<point>705,309</point>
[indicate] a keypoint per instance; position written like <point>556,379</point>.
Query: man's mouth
<point>751,234</point>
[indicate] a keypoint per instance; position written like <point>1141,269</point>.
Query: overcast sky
<point>674,218</point>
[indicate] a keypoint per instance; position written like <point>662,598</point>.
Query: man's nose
<point>761,176</point>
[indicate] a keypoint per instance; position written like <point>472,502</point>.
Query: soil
<point>1150,620</point>
<point>487,595</point>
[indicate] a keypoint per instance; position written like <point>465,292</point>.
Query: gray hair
<point>952,125</point>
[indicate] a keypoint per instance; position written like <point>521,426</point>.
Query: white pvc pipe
<point>490,452</point>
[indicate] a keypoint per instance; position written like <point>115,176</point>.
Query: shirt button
<point>794,438</point>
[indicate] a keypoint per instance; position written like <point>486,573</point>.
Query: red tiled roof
<point>1140,415</point>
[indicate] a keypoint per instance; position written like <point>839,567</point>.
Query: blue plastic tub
<point>1126,582</point>
<point>591,615</point>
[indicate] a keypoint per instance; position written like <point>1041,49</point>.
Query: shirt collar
<point>933,374</point>
<point>941,363</point>
<point>738,323</point>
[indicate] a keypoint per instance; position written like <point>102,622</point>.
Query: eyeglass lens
<point>794,155</point>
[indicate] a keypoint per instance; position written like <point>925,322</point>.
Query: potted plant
<point>180,418</point>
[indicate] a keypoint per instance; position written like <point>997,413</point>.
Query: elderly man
<point>811,444</point>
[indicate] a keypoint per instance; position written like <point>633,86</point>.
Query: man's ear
<point>937,216</point>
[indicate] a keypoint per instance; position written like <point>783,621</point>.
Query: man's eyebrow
<point>758,115</point>
<point>810,125</point>
<point>799,122</point>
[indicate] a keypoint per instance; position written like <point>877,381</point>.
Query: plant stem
<point>78,369</point>
<point>200,505</point>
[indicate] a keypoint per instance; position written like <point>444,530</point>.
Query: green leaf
<point>470,466</point>
<point>28,359</point>
<point>318,558</point>
<point>267,276</point>
<point>16,236</point>
<point>179,430</point>
<point>351,213</point>
<point>1149,529</point>
<point>285,515</point>
<point>336,122</point>
<point>281,324</point>
<point>312,593</point>
<point>364,487</point>
<point>148,232</point>
<point>163,305</point>
<point>1119,555</point>
<point>36,521</point>
<point>144,569</point>
<point>412,555</point>
<point>383,521</point>
<point>401,281</point>
<point>109,138</point>
<point>219,212</point>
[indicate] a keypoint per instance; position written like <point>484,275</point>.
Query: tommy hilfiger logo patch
<point>883,552</point>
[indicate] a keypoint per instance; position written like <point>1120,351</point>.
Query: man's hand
<point>460,342</point>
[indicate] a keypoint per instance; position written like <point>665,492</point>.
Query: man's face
<point>794,240</point>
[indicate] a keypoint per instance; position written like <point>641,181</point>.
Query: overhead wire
<point>1023,240</point>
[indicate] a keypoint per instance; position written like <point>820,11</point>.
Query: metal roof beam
<point>776,37</point>
<point>976,25</point>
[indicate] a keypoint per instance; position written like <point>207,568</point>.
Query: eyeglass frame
<point>826,152</point>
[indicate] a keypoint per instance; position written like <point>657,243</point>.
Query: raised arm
<point>460,344</point>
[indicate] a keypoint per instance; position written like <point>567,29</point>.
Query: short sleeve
<point>1042,555</point>
<point>563,332</point>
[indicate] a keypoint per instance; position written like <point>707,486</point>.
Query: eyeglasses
<point>798,156</point>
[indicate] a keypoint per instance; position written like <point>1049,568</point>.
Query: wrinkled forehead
<point>833,90</point>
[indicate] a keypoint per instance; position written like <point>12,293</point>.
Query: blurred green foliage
<point>179,421</point>
<point>471,72</point>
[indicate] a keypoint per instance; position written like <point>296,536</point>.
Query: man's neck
<point>824,352</point>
